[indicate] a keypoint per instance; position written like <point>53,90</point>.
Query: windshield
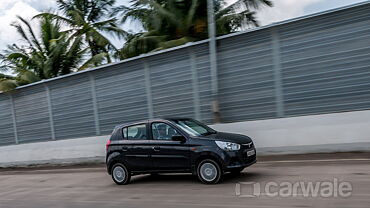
<point>193,127</point>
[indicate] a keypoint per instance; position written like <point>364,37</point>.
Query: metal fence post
<point>50,110</point>
<point>277,72</point>
<point>194,75</point>
<point>213,60</point>
<point>148,90</point>
<point>95,104</point>
<point>14,119</point>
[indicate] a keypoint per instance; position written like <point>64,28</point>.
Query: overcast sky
<point>283,9</point>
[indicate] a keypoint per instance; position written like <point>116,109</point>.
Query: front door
<point>167,154</point>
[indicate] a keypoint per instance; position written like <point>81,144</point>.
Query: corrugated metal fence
<point>312,65</point>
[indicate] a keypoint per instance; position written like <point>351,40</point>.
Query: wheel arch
<point>112,159</point>
<point>204,156</point>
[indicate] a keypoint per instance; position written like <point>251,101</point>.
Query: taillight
<point>107,145</point>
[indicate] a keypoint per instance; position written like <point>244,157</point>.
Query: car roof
<point>150,120</point>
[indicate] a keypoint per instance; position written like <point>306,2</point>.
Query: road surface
<point>91,187</point>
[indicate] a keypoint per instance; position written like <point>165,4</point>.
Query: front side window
<point>137,132</point>
<point>193,127</point>
<point>162,131</point>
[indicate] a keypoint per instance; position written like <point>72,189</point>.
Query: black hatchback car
<point>177,145</point>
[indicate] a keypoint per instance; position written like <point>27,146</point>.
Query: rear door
<point>167,154</point>
<point>137,148</point>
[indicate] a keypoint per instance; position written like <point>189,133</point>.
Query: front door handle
<point>124,149</point>
<point>156,148</point>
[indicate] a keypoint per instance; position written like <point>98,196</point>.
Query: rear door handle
<point>156,148</point>
<point>124,149</point>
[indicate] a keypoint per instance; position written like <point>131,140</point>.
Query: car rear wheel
<point>120,174</point>
<point>209,172</point>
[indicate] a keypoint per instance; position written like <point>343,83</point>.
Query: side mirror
<point>178,138</point>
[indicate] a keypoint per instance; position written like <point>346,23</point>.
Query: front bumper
<point>239,159</point>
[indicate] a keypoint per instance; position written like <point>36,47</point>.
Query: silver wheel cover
<point>119,174</point>
<point>208,172</point>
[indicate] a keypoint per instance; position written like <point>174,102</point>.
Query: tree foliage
<point>90,19</point>
<point>169,23</point>
<point>49,54</point>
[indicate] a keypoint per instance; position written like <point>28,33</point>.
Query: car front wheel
<point>209,172</point>
<point>120,174</point>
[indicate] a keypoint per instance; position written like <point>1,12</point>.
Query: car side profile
<point>176,145</point>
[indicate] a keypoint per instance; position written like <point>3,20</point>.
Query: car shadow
<point>192,179</point>
<point>242,177</point>
<point>167,178</point>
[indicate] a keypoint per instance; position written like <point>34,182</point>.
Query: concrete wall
<point>88,149</point>
<point>349,131</point>
<point>337,132</point>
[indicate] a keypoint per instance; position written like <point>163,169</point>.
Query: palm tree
<point>50,54</point>
<point>89,19</point>
<point>169,23</point>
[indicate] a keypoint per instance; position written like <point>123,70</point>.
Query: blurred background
<point>71,70</point>
<point>300,81</point>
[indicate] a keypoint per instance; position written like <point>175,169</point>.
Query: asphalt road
<point>91,187</point>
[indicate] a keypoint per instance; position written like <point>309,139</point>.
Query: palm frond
<point>17,56</point>
<point>162,11</point>
<point>98,9</point>
<point>54,16</point>
<point>115,31</point>
<point>29,77</point>
<point>192,11</point>
<point>252,4</point>
<point>99,38</point>
<point>140,14</point>
<point>21,32</point>
<point>93,61</point>
<point>174,43</point>
<point>30,31</point>
<point>7,85</point>
<point>234,22</point>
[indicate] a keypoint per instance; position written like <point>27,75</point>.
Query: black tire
<point>209,172</point>
<point>120,174</point>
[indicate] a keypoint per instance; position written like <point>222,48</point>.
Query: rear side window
<point>137,132</point>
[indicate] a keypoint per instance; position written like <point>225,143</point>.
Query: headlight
<point>228,146</point>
